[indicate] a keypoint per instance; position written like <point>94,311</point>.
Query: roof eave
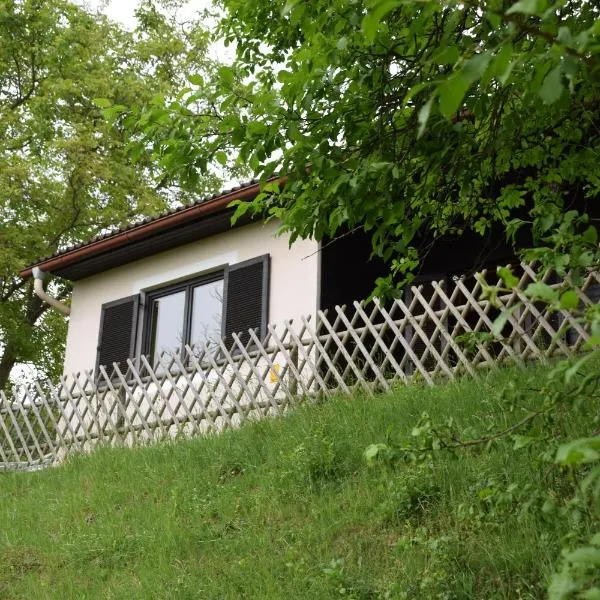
<point>143,230</point>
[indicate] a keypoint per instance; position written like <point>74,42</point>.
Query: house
<point>183,277</point>
<point>189,276</point>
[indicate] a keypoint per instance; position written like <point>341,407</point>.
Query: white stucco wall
<point>293,281</point>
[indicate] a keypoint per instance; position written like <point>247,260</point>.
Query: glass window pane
<point>207,308</point>
<point>167,324</point>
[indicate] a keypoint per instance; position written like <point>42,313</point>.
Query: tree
<point>399,117</point>
<point>64,173</point>
<point>414,118</point>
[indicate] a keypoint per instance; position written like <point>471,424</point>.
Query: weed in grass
<point>410,497</point>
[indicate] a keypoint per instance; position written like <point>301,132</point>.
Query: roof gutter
<point>146,229</point>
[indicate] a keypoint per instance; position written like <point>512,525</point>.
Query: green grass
<point>287,508</point>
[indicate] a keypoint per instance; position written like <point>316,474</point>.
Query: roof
<point>149,236</point>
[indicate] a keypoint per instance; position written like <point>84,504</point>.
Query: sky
<point>122,10</point>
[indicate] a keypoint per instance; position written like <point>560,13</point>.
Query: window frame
<point>186,286</point>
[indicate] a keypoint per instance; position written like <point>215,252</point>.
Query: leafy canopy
<point>65,174</point>
<point>412,115</point>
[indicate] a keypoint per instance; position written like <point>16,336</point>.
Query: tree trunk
<point>7,362</point>
<point>34,309</point>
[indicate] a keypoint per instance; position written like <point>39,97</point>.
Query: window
<point>187,313</point>
<point>193,312</point>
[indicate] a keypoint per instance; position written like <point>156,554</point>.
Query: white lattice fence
<point>439,329</point>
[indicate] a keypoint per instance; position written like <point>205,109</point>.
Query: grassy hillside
<point>288,508</point>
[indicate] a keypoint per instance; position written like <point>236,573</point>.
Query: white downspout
<point>38,288</point>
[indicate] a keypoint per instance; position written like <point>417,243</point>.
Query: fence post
<point>293,383</point>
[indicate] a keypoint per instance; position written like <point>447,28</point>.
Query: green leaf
<point>257,129</point>
<point>543,291</point>
<point>486,492</point>
<point>502,64</point>
<point>476,66</point>
<point>502,59</point>
<point>588,555</point>
<point>254,162</point>
<point>528,7</point>
<point>424,115</point>
<point>196,79</point>
<point>288,7</point>
<point>504,77</point>
<point>580,451</point>
<point>522,441</point>
<point>565,36</point>
<point>569,300</point>
<point>590,235</point>
<point>241,208</point>
<point>102,102</point>
<point>561,586</point>
<point>501,320</point>
<point>221,157</point>
<point>546,221</point>
<point>448,56</point>
<point>369,27</point>
<point>548,507</point>
<point>374,451</point>
<point>592,342</point>
<point>510,281</point>
<point>552,87</point>
<point>272,187</point>
<point>451,94</point>
<point>370,23</point>
<point>226,75</point>
<point>575,369</point>
<point>342,43</point>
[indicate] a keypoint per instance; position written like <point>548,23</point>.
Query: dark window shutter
<point>246,299</point>
<point>118,328</point>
